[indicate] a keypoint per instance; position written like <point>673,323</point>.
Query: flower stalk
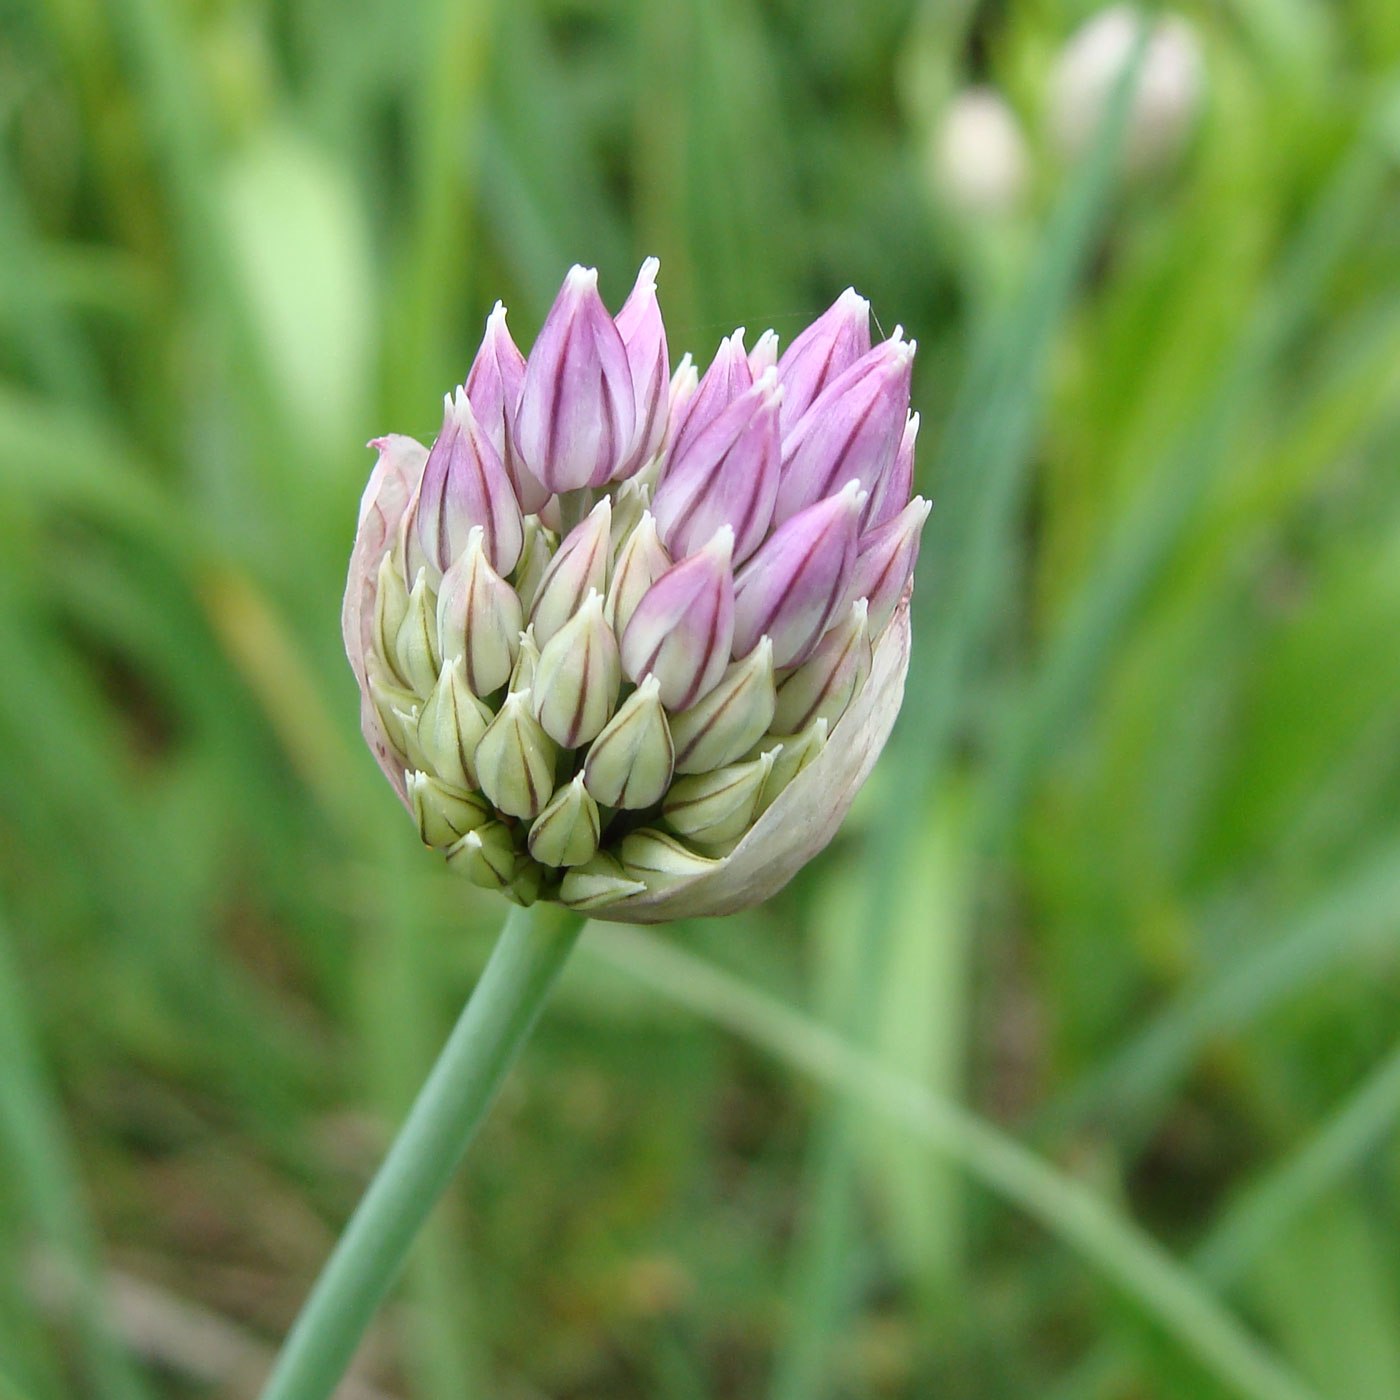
<point>495,1023</point>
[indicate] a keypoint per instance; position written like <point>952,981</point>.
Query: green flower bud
<point>596,884</point>
<point>566,832</point>
<point>658,860</point>
<point>486,856</point>
<point>540,544</point>
<point>479,617</point>
<point>712,808</point>
<point>451,726</point>
<point>631,761</point>
<point>396,707</point>
<point>630,502</point>
<point>527,657</point>
<point>416,655</point>
<point>530,876</point>
<point>793,755</point>
<point>577,677</point>
<point>728,721</point>
<point>580,565</point>
<point>824,684</point>
<point>640,562</point>
<point>390,609</point>
<point>515,759</point>
<point>444,814</point>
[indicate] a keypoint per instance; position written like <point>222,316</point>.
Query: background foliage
<point>1127,883</point>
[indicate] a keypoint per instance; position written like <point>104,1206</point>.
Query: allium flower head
<point>631,639</point>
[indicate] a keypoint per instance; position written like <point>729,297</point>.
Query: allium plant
<point>627,641</point>
<point>630,640</point>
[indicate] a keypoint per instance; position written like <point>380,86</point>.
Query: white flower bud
<point>416,655</point>
<point>596,884</point>
<point>450,727</point>
<point>731,718</point>
<point>444,814</point>
<point>717,807</point>
<point>566,832</point>
<point>631,761</point>
<point>978,159</point>
<point>577,677</point>
<point>479,618</point>
<point>515,759</point>
<point>1166,99</point>
<point>830,678</point>
<point>486,856</point>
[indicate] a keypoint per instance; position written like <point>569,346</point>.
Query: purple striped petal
<point>577,411</point>
<point>852,430</point>
<point>727,377</point>
<point>493,389</point>
<point>464,484</point>
<point>643,334</point>
<point>885,562</point>
<point>726,474</point>
<point>890,494</point>
<point>792,587</point>
<point>682,629</point>
<point>830,345</point>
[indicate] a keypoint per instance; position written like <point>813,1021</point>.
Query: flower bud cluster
<point>614,613</point>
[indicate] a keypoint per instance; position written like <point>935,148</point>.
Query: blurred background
<point>1126,884</point>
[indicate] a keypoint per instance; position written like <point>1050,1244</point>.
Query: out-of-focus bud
<point>444,814</point>
<point>823,685</point>
<point>644,336</point>
<point>631,761</point>
<point>577,415</point>
<point>580,566</point>
<point>731,718</point>
<point>479,618</point>
<point>724,474</point>
<point>764,355</point>
<point>596,884</point>
<point>714,808</point>
<point>640,563</point>
<point>791,588</point>
<point>566,832</point>
<point>464,487</point>
<point>493,389</point>
<point>1168,94</point>
<point>515,759</point>
<point>885,562</point>
<point>416,654</point>
<point>979,160</point>
<point>852,430</point>
<point>796,753</point>
<point>682,629</point>
<point>577,676</point>
<point>451,726</point>
<point>487,856</point>
<point>828,347</point>
<point>727,377</point>
<point>891,493</point>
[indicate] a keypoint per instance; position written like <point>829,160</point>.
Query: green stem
<point>485,1041</point>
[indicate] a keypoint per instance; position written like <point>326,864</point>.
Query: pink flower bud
<point>580,566</point>
<point>682,629</point>
<point>791,588</point>
<point>890,494</point>
<point>493,390</point>
<point>830,345</point>
<point>727,377</point>
<point>644,336</point>
<point>577,414</point>
<point>464,485</point>
<point>885,562</point>
<point>851,431</point>
<point>725,474</point>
